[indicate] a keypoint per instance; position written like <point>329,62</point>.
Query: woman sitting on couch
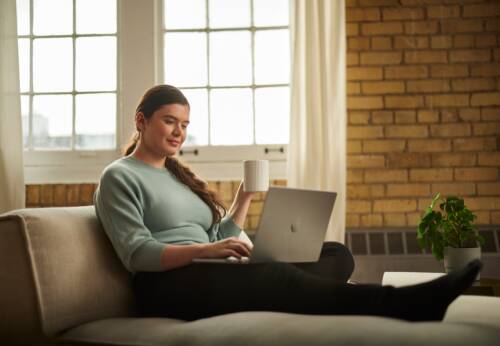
<point>159,216</point>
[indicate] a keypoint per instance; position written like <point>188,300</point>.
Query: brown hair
<point>152,100</point>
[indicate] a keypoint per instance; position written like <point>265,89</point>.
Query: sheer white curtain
<point>11,138</point>
<point>317,149</point>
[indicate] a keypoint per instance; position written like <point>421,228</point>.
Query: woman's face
<point>165,131</point>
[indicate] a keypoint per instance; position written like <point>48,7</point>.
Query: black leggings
<point>206,289</point>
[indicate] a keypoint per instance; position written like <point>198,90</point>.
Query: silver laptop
<point>292,227</point>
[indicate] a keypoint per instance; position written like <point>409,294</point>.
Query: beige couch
<point>60,281</point>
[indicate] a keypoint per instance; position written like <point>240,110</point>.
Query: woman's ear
<point>139,121</point>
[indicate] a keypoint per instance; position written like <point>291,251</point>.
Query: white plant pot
<point>457,258</point>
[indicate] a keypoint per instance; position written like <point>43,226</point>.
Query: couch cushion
<point>269,328</point>
<point>76,276</point>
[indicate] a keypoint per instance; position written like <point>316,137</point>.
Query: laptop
<point>292,227</point>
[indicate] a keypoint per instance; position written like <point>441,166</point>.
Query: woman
<point>159,216</point>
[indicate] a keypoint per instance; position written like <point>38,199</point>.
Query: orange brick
<point>486,70</point>
<point>386,175</point>
<point>486,41</point>
<point>383,87</point>
<point>371,29</point>
<point>431,174</point>
<point>394,219</point>
<point>365,102</point>
<point>225,191</point>
<point>398,13</point>
<point>482,203</point>
<point>403,102</point>
<point>483,217</point>
<point>60,195</point>
<point>426,116</point>
<point>407,160</point>
<point>469,114</point>
<point>255,208</point>
<point>381,58</point>
<point>490,114</point>
<point>454,189</point>
<point>358,206</point>
<point>475,144</point>
<point>493,24</point>
<point>352,29</point>
<point>425,57</point>
<point>429,145</point>
<point>371,220</point>
<point>352,59</point>
<point>413,219</point>
<point>441,12</point>
<point>440,42</point>
<point>463,41</point>
<point>406,72</point>
<point>473,84</point>
<point>362,14</point>
<point>495,217</point>
<point>394,205</point>
<point>408,190</point>
<point>365,161</point>
<point>406,131</point>
<point>32,195</point>
<point>476,174</point>
<point>486,129</point>
<point>497,54</point>
<point>488,189</point>
<point>445,71</point>
<point>449,116</point>
<point>383,146</point>
<point>47,195</point>
<point>378,2</point>
<point>405,117</point>
<point>461,25</point>
<point>453,160</point>
<point>358,43</point>
<point>485,99</point>
<point>451,130</point>
<point>381,43</point>
<point>365,191</point>
<point>352,220</point>
<point>353,88</point>
<point>428,86</point>
<point>489,159</point>
<point>355,176</point>
<point>354,147</point>
<point>364,73</point>
<point>411,42</point>
<point>421,27</point>
<point>470,55</point>
<point>73,194</point>
<point>483,10</point>
<point>382,117</point>
<point>86,194</point>
<point>447,100</point>
<point>362,132</point>
<point>359,117</point>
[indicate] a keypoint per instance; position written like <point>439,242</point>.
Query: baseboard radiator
<point>379,250</point>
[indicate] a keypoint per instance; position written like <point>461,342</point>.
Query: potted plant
<point>450,232</point>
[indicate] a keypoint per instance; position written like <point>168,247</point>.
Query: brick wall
<point>423,108</point>
<point>58,195</point>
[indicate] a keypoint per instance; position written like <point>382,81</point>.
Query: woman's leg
<point>204,290</point>
<point>335,262</point>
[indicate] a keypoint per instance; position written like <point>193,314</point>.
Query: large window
<point>231,58</point>
<point>68,73</point>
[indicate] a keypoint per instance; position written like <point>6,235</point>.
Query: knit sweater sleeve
<point>119,208</point>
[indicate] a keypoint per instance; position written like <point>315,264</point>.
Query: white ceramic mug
<point>255,175</point>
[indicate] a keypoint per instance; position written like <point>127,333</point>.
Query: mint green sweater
<point>143,208</point>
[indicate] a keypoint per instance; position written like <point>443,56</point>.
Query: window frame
<point>139,66</point>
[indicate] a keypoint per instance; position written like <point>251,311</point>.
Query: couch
<point>61,283</point>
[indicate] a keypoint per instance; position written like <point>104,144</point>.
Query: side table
<point>485,287</point>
